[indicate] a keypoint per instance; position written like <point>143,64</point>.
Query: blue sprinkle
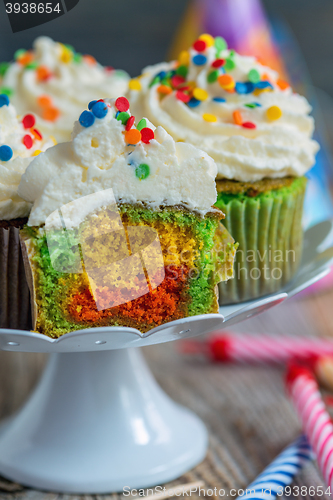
<point>100,109</point>
<point>4,100</point>
<point>118,112</point>
<point>6,153</point>
<point>264,84</point>
<point>161,75</point>
<point>199,60</point>
<point>219,99</point>
<point>244,88</point>
<point>193,103</point>
<point>86,119</point>
<point>90,105</point>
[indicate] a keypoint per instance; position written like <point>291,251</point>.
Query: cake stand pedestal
<point>98,421</point>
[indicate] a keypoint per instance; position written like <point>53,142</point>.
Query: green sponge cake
<point>122,230</point>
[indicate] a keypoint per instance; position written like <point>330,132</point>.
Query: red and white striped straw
<point>266,348</point>
<point>316,422</point>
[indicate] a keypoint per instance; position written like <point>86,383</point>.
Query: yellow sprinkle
<point>184,58</point>
<point>37,152</point>
<point>208,39</point>
<point>200,94</point>
<point>274,113</point>
<point>53,139</point>
<point>134,84</point>
<point>257,92</point>
<point>66,55</point>
<point>209,117</point>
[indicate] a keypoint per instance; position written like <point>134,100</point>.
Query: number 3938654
<point>32,8</point>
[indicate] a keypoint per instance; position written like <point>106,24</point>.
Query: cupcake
<point>259,133</point>
<point>20,142</point>
<point>122,231</point>
<point>55,82</point>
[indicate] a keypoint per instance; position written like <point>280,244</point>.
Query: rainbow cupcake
<point>260,135</point>
<point>122,230</point>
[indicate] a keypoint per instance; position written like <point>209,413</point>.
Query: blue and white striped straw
<point>280,473</point>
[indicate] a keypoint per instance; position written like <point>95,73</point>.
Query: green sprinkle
<point>220,44</point>
<point>3,68</point>
<point>142,171</point>
<point>19,53</point>
<point>212,76</point>
<point>6,90</point>
<point>250,105</point>
<point>123,117</point>
<point>182,71</point>
<point>77,58</point>
<point>232,53</point>
<point>32,65</point>
<point>154,81</point>
<point>142,124</point>
<point>254,76</point>
<point>229,64</point>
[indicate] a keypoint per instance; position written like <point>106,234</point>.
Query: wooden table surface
<point>244,407</point>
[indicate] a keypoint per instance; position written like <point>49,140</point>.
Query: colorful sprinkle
<point>37,152</point>
<point>253,105</point>
<point>147,134</point>
<point>32,65</point>
<point>3,68</point>
<point>200,94</point>
<point>274,113</point>
<point>182,71</point>
<point>181,96</point>
<point>237,117</point>
<point>89,59</point>
<point>4,100</point>
<point>134,84</point>
<point>6,153</point>
<point>28,121</point>
<point>130,123</point>
<point>123,117</point>
<point>25,59</point>
<point>142,171</point>
<point>248,125</point>
<point>164,89</point>
<point>19,53</point>
<point>142,124</point>
<point>27,141</point>
<point>122,104</point>
<point>212,76</point>
<point>226,82</point>
<point>254,76</point>
<point>218,63</point>
<point>44,101</point>
<point>208,39</point>
<point>184,58</point>
<point>6,90</point>
<point>90,105</point>
<point>200,45</point>
<point>133,136</point>
<point>199,60</point>
<point>244,87</point>
<point>50,113</point>
<point>208,117</point>
<point>219,99</point>
<point>282,84</point>
<point>100,109</point>
<point>87,119</point>
<point>220,44</point>
<point>193,103</point>
<point>36,133</point>
<point>43,74</point>
<point>264,84</point>
<point>229,64</point>
<point>177,80</point>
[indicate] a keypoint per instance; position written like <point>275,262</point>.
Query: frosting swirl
<point>140,163</point>
<point>55,82</point>
<point>20,142</point>
<point>234,108</point>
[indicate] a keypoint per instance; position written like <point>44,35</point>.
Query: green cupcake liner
<point>268,228</point>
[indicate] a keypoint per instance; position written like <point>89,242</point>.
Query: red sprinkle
<point>218,63</point>
<point>122,104</point>
<point>248,125</point>
<point>109,68</point>
<point>28,121</point>
<point>147,134</point>
<point>181,96</point>
<point>27,141</point>
<point>200,45</point>
<point>37,134</point>
<point>130,123</point>
<point>100,100</point>
<point>177,80</point>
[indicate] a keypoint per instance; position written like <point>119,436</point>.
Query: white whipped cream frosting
<point>12,132</point>
<point>98,158</point>
<point>70,87</point>
<point>273,149</point>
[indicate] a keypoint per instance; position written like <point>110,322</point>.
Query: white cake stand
<point>98,421</point>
